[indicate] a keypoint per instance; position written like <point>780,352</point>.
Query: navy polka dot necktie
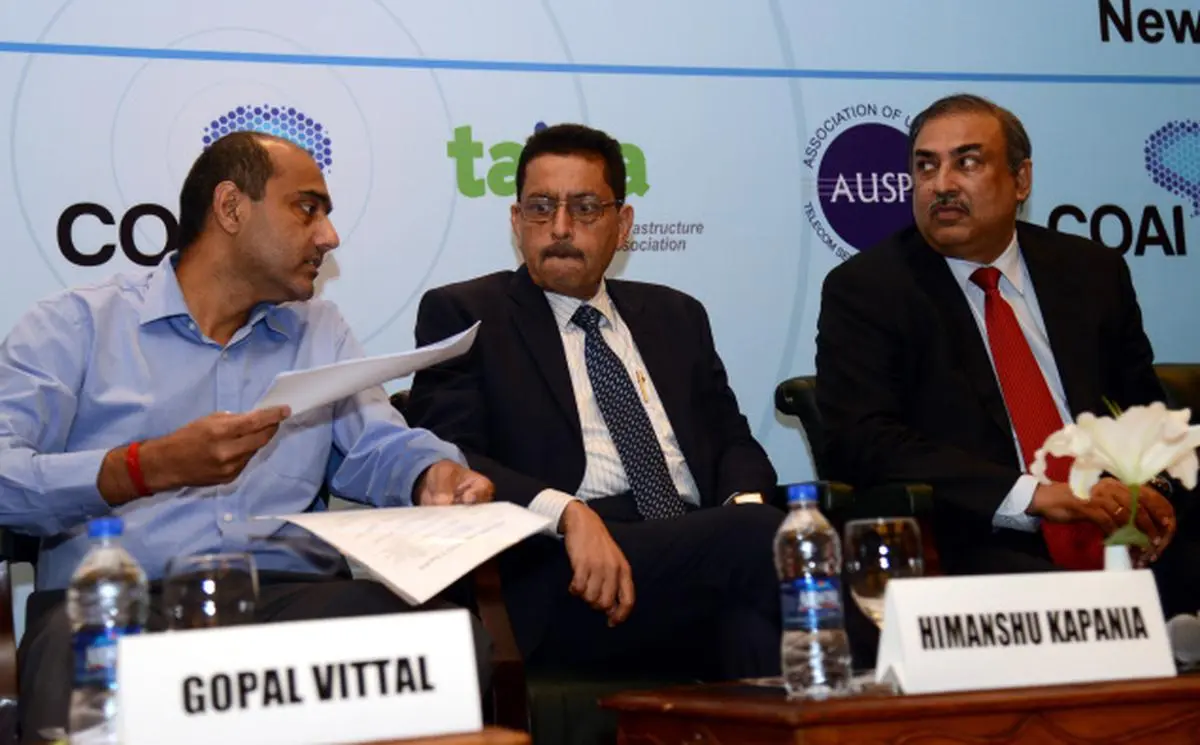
<point>628,424</point>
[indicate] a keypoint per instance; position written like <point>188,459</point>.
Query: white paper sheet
<point>419,551</point>
<point>307,389</point>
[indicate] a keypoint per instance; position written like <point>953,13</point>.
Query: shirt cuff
<point>550,504</point>
<point>1011,512</point>
<point>68,480</point>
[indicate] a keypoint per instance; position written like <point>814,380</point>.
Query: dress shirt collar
<point>164,299</point>
<point>564,306</point>
<point>1009,264</point>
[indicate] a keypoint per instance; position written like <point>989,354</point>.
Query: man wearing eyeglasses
<point>603,405</point>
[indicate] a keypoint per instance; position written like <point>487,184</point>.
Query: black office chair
<point>14,549</point>
<point>509,701</point>
<point>798,397</point>
<point>553,705</point>
<point>1181,383</point>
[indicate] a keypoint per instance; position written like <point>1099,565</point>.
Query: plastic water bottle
<point>808,558</point>
<point>107,599</point>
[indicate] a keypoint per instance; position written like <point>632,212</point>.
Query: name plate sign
<point>332,681</point>
<point>1005,631</point>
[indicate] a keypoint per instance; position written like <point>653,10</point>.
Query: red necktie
<point>1035,417</point>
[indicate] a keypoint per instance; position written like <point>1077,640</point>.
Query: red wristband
<point>134,465</point>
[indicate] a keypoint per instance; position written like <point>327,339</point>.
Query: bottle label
<point>96,655</point>
<point>811,604</point>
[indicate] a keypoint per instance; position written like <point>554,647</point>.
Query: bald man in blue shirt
<point>123,398</point>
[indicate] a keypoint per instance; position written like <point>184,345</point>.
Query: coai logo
<point>282,121</point>
<point>1172,159</point>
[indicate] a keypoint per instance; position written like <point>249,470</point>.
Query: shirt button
<point>192,325</point>
<point>227,517</point>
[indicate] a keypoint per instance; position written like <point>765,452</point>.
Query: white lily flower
<point>1137,446</point>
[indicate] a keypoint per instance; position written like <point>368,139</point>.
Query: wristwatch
<point>1162,485</point>
<point>745,497</point>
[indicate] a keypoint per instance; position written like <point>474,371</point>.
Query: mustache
<point>948,200</point>
<point>561,250</point>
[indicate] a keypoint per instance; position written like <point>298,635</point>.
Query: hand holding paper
<point>419,551</point>
<point>303,390</point>
<point>213,449</point>
<point>446,482</point>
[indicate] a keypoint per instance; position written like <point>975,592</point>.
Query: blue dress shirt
<point>98,367</point>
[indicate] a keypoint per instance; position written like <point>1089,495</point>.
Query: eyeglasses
<point>584,209</point>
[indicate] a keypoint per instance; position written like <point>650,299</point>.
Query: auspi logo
<point>500,170</point>
<point>863,183</point>
<point>1172,161</point>
<point>282,121</point>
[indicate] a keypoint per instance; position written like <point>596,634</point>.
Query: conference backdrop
<point>765,140</point>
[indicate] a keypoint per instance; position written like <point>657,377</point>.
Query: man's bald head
<point>243,158</point>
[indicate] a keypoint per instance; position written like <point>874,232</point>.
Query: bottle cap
<point>106,527</point>
<point>805,493</point>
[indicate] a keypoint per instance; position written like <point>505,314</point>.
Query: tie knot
<point>987,277</point>
<point>587,318</point>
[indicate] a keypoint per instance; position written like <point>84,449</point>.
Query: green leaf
<point>1112,407</point>
<point>1128,535</point>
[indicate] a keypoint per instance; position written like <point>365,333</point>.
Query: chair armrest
<point>510,697</point>
<point>842,503</point>
<point>906,500</point>
<point>896,500</point>
<point>18,548</point>
<point>8,639</point>
<point>9,550</point>
<point>837,498</point>
<point>834,496</point>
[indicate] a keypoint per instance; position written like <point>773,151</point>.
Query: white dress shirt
<point>604,475</point>
<point>1017,289</point>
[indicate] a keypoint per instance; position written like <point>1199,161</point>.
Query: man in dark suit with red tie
<point>949,352</point>
<point>602,404</point>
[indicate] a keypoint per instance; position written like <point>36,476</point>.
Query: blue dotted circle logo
<point>1173,160</point>
<point>287,122</point>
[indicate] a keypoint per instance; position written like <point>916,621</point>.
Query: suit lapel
<point>538,329</point>
<point>666,366</point>
<point>967,343</point>
<point>1065,326</point>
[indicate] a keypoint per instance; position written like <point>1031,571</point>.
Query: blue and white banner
<point>766,140</point>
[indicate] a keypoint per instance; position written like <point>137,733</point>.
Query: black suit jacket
<point>907,392</point>
<point>509,404</point>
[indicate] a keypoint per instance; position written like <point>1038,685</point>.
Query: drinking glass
<point>877,550</point>
<point>210,590</point>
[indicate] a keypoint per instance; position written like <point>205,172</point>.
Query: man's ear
<point>230,207</point>
<point>624,223</point>
<point>1024,179</point>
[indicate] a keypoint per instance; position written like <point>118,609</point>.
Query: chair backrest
<point>798,397</point>
<point>14,549</point>
<point>509,695</point>
<point>399,401</point>
<point>18,548</point>
<point>1181,383</point>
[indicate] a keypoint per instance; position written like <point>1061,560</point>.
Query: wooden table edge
<point>707,701</point>
<point>486,736</point>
